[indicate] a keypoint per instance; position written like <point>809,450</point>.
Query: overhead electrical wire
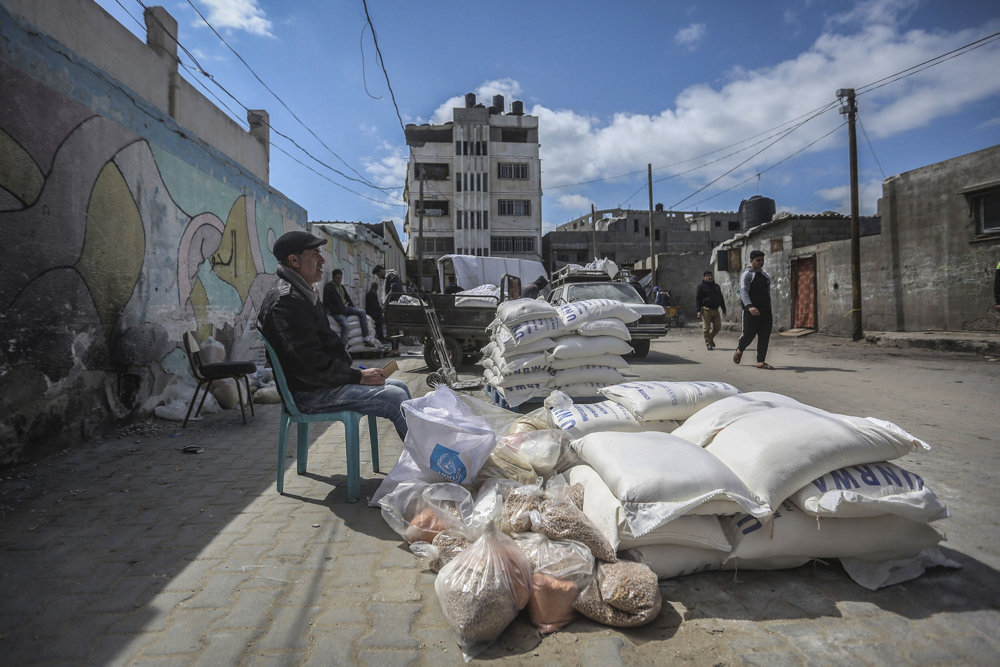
<point>278,97</point>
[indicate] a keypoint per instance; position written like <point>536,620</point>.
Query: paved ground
<point>132,552</point>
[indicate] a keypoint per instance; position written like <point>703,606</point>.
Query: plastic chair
<point>352,432</point>
<point>207,373</point>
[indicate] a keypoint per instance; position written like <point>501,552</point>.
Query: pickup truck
<point>576,284</point>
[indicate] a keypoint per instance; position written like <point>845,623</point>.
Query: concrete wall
<point>121,232</point>
<point>90,33</point>
<point>943,268</point>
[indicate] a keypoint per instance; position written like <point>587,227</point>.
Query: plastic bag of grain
<point>443,548</point>
<point>561,569</point>
<point>418,511</point>
<point>653,400</point>
<point>625,594</point>
<point>558,518</point>
<point>483,588</point>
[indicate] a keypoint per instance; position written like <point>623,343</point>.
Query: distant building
<point>621,235</point>
<point>473,186</point>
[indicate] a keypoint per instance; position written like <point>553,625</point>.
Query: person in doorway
<point>533,290</point>
<point>453,287</point>
<point>316,362</point>
<point>709,301</point>
<point>373,308</point>
<point>340,306</point>
<point>755,295</point>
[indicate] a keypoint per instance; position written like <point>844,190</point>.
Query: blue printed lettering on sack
<point>447,463</point>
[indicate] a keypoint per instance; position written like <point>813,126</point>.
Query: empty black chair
<point>206,373</point>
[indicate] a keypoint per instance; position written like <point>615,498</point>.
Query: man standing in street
<point>755,295</point>
<point>708,299</point>
<point>315,359</point>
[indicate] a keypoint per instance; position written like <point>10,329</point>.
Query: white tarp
<point>473,271</point>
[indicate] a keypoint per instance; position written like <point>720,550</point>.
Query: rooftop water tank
<point>755,211</point>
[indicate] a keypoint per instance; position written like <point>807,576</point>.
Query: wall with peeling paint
<point>121,232</point>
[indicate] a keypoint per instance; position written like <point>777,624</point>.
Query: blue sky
<point>707,92</point>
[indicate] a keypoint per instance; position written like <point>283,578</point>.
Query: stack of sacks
<point>652,488</point>
<point>353,339</point>
<point>588,354</point>
<point>826,482</point>
<point>515,361</point>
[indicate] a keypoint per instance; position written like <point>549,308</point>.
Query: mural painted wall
<point>116,242</point>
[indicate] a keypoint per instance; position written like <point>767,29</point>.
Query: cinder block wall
<point>122,230</point>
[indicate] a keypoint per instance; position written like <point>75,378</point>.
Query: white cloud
<point>238,15</point>
<point>707,120</point>
<point>573,202</point>
<point>509,88</point>
<point>869,193</point>
<point>690,36</point>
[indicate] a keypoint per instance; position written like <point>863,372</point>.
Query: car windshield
<point>618,291</point>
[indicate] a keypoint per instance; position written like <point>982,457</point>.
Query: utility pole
<point>593,229</point>
<point>849,107</point>
<point>652,252</point>
<point>420,234</point>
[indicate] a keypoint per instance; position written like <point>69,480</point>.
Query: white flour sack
<point>608,326</point>
<point>670,560</point>
<point>870,490</point>
<point>658,477</point>
<point>668,400</point>
<point>702,426</point>
<point>610,360</point>
<point>796,534</point>
<point>512,363</point>
<point>574,346</point>
<point>778,451</point>
<point>607,513</point>
<point>582,389</point>
<point>580,419</point>
<point>602,375</point>
<point>527,332</point>
<point>522,310</point>
<point>572,315</point>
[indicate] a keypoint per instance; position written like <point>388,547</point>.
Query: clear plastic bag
<point>562,569</point>
<point>483,589</point>
<point>559,518</point>
<point>418,511</point>
<point>625,594</point>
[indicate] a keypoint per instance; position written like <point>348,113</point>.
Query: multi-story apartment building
<point>474,185</point>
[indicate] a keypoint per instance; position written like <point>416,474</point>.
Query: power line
<point>362,180</point>
<point>381,63</point>
<point>868,141</point>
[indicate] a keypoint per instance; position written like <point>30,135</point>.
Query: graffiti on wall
<point>116,247</point>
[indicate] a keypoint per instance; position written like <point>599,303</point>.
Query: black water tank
<point>756,211</point>
<point>470,100</point>
<point>498,103</point>
<point>517,108</point>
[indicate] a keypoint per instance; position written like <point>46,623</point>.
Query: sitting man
<point>453,286</point>
<point>338,303</point>
<point>316,362</point>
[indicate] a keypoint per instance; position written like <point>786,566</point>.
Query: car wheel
<point>641,347</point>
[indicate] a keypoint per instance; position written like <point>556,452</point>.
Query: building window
<point>512,244</point>
<point>431,171</point>
<point>486,220</point>
<point>777,245</point>
<point>635,226</point>
<point>514,135</point>
<point>513,207</point>
<point>438,244</point>
<point>734,225</point>
<point>432,208</point>
<point>470,148</point>
<point>718,223</point>
<point>513,170</point>
<point>985,208</point>
<point>656,233</point>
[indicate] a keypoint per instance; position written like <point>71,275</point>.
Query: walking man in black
<point>755,294</point>
<point>708,299</point>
